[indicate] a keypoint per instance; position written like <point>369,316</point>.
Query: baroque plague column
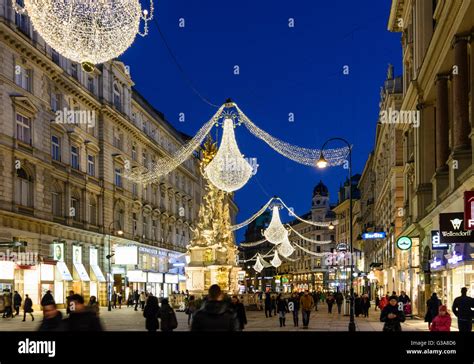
<point>212,253</point>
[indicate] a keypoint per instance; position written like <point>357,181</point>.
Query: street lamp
<point>109,257</point>
<point>323,163</point>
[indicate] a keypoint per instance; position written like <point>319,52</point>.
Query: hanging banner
<point>469,210</point>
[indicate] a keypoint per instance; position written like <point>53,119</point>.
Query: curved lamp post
<point>323,163</point>
<point>109,257</point>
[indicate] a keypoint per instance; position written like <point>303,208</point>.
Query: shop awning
<point>98,273</point>
<point>155,277</point>
<point>137,276</point>
<point>63,271</point>
<point>81,271</point>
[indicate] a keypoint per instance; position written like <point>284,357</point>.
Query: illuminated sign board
<point>451,228</point>
<point>374,235</point>
<point>435,244</point>
<point>404,243</point>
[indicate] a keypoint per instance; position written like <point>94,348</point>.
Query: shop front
<point>155,284</point>
<point>170,284</point>
<point>97,286</point>
<point>81,279</point>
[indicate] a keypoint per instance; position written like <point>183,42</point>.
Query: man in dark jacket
<point>47,299</point>
<point>80,318</point>
<point>167,316</point>
<point>53,318</point>
<point>268,304</point>
<point>463,307</point>
<point>339,300</point>
<point>17,302</point>
<point>7,301</point>
<point>28,308</point>
<point>240,311</point>
<point>392,315</point>
<point>136,298</point>
<point>294,306</point>
<point>216,314</point>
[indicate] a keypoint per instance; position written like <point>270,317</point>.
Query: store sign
<point>404,243</point>
<point>146,250</point>
<point>374,235</point>
<point>436,263</point>
<point>127,255</point>
<point>455,259</point>
<point>63,271</point>
<point>136,276</point>
<point>435,244</point>
<point>451,227</point>
<point>93,256</point>
<point>171,278</point>
<point>155,277</point>
<point>7,270</point>
<point>77,254</point>
<point>58,252</point>
<point>469,210</point>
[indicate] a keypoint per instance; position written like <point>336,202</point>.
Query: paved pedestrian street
<point>126,319</point>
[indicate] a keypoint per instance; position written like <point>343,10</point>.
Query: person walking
<point>52,318</point>
<point>306,304</point>
<point>274,305</point>
<point>442,321</point>
<point>151,312</point>
<point>17,299</point>
<point>114,300</point>
<point>81,317</point>
<point>119,299</point>
<point>432,307</point>
<point>315,299</point>
<point>8,303</point>
<point>136,298</point>
<point>383,302</point>
<point>142,300</point>
<point>28,308</point>
<point>268,304</point>
<point>282,308</point>
<point>339,300</point>
<point>47,299</point>
<point>392,316</point>
<point>216,314</point>
<point>330,302</point>
<point>239,309</point>
<point>365,305</point>
<point>129,299</point>
<point>357,305</point>
<point>191,308</point>
<point>93,305</point>
<point>167,316</point>
<point>294,307</point>
<point>463,307</point>
<point>377,302</point>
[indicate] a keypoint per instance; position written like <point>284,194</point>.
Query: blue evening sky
<point>282,70</point>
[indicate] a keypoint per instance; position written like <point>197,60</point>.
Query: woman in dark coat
<point>28,308</point>
<point>151,313</point>
<point>282,308</point>
<point>432,307</point>
<point>392,316</point>
<point>167,316</point>
<point>365,305</point>
<point>357,305</point>
<point>240,311</point>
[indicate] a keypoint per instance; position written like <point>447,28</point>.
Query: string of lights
<point>252,218</point>
<point>314,223</point>
<point>256,243</point>
<point>308,239</point>
<point>309,251</point>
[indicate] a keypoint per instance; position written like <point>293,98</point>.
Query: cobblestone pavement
<point>126,319</point>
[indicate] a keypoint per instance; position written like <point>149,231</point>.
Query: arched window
<point>117,97</point>
<point>23,188</point>
<point>93,211</point>
<point>57,200</point>
<point>119,215</point>
<point>75,207</point>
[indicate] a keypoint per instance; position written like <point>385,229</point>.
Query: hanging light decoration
<point>276,261</point>
<point>276,232</point>
<point>258,266</point>
<point>87,31</point>
<point>228,170</point>
<point>285,248</point>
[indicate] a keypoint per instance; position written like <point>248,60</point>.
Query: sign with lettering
<point>451,228</point>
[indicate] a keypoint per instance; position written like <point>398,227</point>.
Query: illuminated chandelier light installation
<point>276,261</point>
<point>228,170</point>
<point>276,232</point>
<point>87,31</point>
<point>285,248</point>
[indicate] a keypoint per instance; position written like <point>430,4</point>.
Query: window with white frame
<point>55,103</point>
<point>117,97</point>
<point>56,148</point>
<point>93,211</point>
<point>24,188</point>
<point>134,152</point>
<point>118,176</point>
<point>75,157</point>
<point>23,128</point>
<point>23,77</point>
<point>75,209</point>
<point>91,165</point>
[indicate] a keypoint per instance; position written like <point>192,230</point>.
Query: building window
<point>318,249</point>
<point>121,219</point>
<point>134,189</point>
<point>23,128</point>
<point>74,157</point>
<point>91,165</point>
<point>56,148</point>
<point>145,226</point>
<point>74,71</point>
<point>24,188</point>
<point>145,159</point>
<point>55,57</point>
<point>75,209</point>
<point>118,177</point>
<point>55,101</point>
<point>56,204</point>
<point>134,222</point>
<point>21,20</point>
<point>134,152</point>
<point>155,230</point>
<point>93,212</point>
<point>118,139</point>
<point>117,97</point>
<point>90,84</point>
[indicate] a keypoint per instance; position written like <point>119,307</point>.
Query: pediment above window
<point>24,106</point>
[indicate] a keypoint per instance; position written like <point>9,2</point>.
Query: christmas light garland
<point>252,218</point>
<point>308,239</point>
<point>255,243</point>
<point>314,223</point>
<point>309,251</point>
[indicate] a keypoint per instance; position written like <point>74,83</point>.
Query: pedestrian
<point>339,300</point>
<point>383,302</point>
<point>377,302</point>
<point>215,313</point>
<point>151,312</point>
<point>167,316</point>
<point>330,302</point>
<point>282,308</point>
<point>114,300</point>
<point>52,317</point>
<point>442,321</point>
<point>294,307</point>
<point>17,299</point>
<point>315,299</point>
<point>404,298</point>
<point>365,305</point>
<point>392,316</point>
<point>93,305</point>
<point>463,309</point>
<point>142,300</point>
<point>129,299</point>
<point>81,317</point>
<point>239,309</point>
<point>47,299</point>
<point>119,299</point>
<point>274,305</point>
<point>8,302</point>
<point>28,308</point>
<point>432,307</point>
<point>268,304</point>
<point>306,304</point>
<point>357,305</point>
<point>191,308</point>
<point>68,302</point>
<point>136,297</point>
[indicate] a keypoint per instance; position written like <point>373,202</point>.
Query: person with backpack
<point>167,316</point>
